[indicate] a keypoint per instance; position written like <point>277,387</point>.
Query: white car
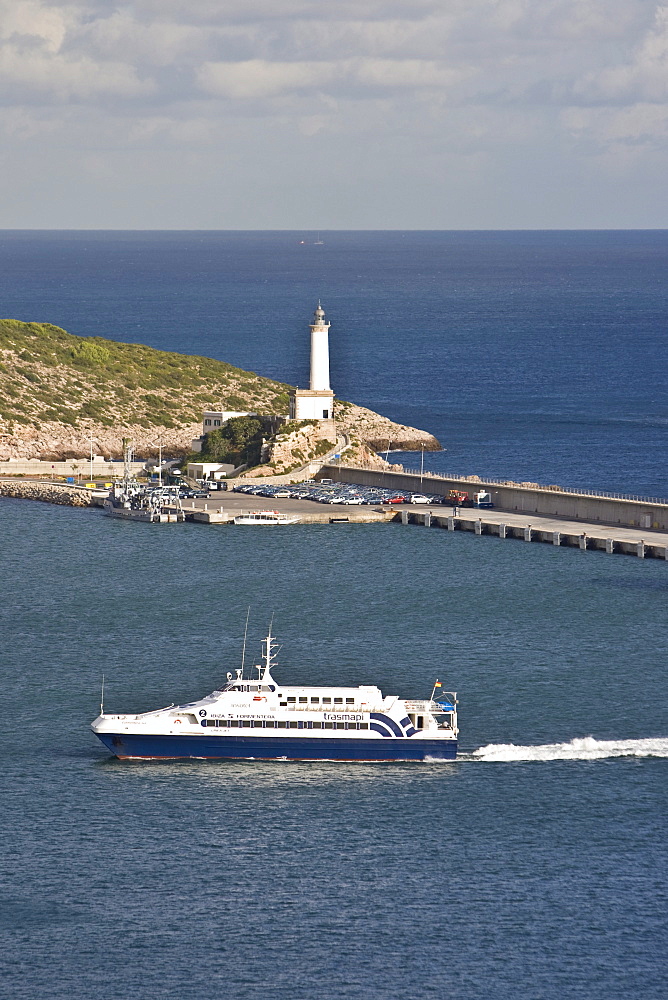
<point>418,498</point>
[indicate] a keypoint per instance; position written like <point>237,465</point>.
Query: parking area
<point>336,498</point>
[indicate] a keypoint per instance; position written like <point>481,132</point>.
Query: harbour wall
<point>72,467</point>
<point>542,500</point>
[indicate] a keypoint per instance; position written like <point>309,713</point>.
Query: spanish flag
<point>438,684</point>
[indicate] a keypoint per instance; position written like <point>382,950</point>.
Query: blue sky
<point>295,114</point>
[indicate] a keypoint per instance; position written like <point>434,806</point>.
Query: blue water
<point>534,867</point>
<point>533,877</point>
<point>537,356</point>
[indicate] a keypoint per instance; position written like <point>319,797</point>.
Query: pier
<point>501,524</point>
<point>551,531</point>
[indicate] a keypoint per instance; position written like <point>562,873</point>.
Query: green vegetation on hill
<point>238,441</point>
<point>47,374</point>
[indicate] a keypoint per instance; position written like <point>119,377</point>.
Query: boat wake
<point>582,748</point>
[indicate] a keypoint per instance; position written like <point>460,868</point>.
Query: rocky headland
<point>57,391</point>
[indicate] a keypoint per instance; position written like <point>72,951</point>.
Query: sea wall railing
<point>487,481</point>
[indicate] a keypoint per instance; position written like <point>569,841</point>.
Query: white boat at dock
<point>266,517</point>
<point>135,501</point>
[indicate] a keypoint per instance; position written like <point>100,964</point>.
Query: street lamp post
<point>421,462</point>
<point>90,431</point>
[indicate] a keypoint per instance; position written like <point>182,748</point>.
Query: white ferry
<point>266,517</point>
<point>259,718</point>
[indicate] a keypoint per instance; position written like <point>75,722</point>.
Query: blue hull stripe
<point>379,717</point>
<point>377,728</point>
<point>302,748</point>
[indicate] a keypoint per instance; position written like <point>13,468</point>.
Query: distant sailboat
<point>319,242</point>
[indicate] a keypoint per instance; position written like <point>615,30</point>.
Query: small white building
<point>208,470</point>
<point>316,402</point>
<point>212,420</point>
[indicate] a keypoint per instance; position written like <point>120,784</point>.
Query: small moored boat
<point>266,517</point>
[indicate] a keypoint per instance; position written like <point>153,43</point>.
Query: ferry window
<point>257,724</point>
<point>291,701</point>
<point>253,687</point>
<point>223,722</point>
<point>234,722</point>
<point>340,725</point>
<point>303,701</point>
<point>328,725</point>
<point>246,723</point>
<point>363,725</point>
<point>317,725</point>
<point>351,725</point>
<point>283,704</point>
<point>327,701</point>
<point>350,701</point>
<point>420,722</point>
<point>293,725</point>
<point>338,701</point>
<point>315,701</point>
<point>281,724</point>
<point>269,724</point>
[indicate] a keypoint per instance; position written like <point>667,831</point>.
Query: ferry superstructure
<point>262,719</point>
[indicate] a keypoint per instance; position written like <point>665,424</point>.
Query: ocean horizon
<point>531,355</point>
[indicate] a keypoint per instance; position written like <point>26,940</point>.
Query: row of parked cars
<point>326,491</point>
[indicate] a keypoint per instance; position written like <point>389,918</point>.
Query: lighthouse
<point>317,402</point>
<point>319,352</point>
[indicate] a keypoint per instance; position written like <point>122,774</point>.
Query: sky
<point>334,114</point>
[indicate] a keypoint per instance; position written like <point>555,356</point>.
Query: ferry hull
<point>158,747</point>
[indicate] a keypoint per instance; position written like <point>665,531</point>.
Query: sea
<point>533,867</point>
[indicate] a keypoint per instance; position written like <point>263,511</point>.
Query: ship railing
<point>331,708</point>
<point>437,707</point>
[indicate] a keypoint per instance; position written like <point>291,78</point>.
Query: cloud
<point>644,77</point>
<point>429,81</point>
<point>257,78</point>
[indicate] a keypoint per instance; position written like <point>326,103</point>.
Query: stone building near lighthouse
<point>317,402</point>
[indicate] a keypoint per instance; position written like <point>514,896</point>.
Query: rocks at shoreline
<point>69,496</point>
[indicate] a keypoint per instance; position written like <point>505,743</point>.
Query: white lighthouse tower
<point>319,352</point>
<point>316,402</point>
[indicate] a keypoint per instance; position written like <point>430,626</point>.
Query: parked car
<point>188,494</point>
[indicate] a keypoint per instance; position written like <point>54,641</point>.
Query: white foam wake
<point>584,748</point>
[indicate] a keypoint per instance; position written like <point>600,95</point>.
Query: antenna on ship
<point>102,697</point>
<point>243,650</point>
<point>268,651</point>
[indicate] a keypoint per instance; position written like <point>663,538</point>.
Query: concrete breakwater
<point>70,496</point>
<point>547,501</point>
